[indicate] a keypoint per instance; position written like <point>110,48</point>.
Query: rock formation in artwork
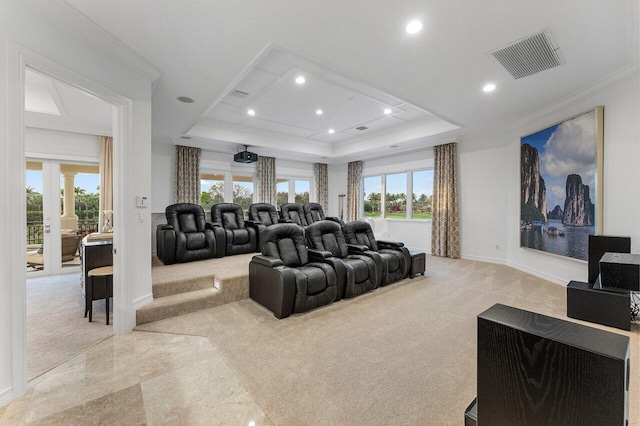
<point>533,193</point>
<point>578,208</point>
<point>556,213</point>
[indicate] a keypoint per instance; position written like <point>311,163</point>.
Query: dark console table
<point>95,253</point>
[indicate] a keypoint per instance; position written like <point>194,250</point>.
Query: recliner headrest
<point>218,215</point>
<point>185,217</point>
<point>313,212</point>
<point>327,235</point>
<point>360,232</point>
<point>264,213</point>
<point>286,242</point>
<point>294,212</point>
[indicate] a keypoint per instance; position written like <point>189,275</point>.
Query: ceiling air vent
<point>362,128</point>
<point>239,94</point>
<point>530,55</point>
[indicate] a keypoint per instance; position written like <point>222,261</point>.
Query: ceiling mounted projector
<point>245,156</point>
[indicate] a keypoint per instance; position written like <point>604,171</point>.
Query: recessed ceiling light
<point>185,137</point>
<point>490,87</point>
<point>331,131</point>
<point>393,146</point>
<point>251,112</point>
<point>300,79</point>
<point>319,112</point>
<point>387,111</point>
<point>185,99</point>
<point>414,27</point>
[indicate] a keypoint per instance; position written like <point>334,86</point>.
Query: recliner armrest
<point>271,262</point>
<point>285,221</point>
<point>164,227</point>
<point>390,244</point>
<point>212,225</point>
<point>319,254</point>
<point>357,248</point>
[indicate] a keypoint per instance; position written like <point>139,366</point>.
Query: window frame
<point>383,194</point>
<point>292,187</point>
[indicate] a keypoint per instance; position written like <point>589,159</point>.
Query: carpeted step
<point>181,285</point>
<point>179,304</point>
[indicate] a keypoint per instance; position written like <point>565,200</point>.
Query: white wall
<point>28,30</point>
<point>621,179</point>
<point>44,143</point>
<point>482,201</point>
<point>489,187</point>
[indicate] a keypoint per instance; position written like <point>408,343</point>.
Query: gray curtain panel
<point>266,185</point>
<point>445,232</point>
<point>187,182</point>
<point>354,179</point>
<point>322,185</point>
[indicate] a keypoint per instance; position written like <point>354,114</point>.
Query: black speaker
<point>620,271</point>
<point>599,245</point>
<point>537,370</point>
<point>471,414</point>
<point>602,307</point>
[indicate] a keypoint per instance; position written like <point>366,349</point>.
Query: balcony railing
<point>35,229</point>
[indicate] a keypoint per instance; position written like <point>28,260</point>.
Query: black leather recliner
<point>294,213</point>
<point>396,257</point>
<point>327,243</point>
<point>314,212</point>
<point>283,280</point>
<point>187,236</point>
<point>263,215</point>
<point>240,237</point>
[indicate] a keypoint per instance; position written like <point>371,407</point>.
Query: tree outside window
<point>372,196</point>
<point>282,191</point>
<point>302,191</point>
<point>243,191</point>
<point>422,194</point>
<point>212,190</point>
<point>396,197</point>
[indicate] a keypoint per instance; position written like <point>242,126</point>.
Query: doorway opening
<point>65,131</point>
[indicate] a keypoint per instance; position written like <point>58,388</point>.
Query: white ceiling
<point>349,108</point>
<point>207,49</point>
<point>52,104</point>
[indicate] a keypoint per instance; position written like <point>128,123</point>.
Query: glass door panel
<point>35,216</point>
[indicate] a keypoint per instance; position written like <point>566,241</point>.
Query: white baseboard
<point>142,301</point>
<point>6,396</point>
<point>484,259</point>
<point>548,277</point>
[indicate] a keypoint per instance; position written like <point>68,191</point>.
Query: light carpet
<point>56,327</point>
<point>402,354</point>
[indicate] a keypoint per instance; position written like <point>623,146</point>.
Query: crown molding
<point>619,77</point>
<point>60,13</point>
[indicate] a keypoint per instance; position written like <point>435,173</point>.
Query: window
<point>396,199</point>
<point>372,196</point>
<point>422,194</point>
<point>282,191</point>
<point>302,191</point>
<point>243,191</point>
<point>390,191</point>
<point>212,190</point>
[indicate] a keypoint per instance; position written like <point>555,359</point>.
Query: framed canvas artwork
<point>561,185</point>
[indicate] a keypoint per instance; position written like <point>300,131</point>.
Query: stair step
<point>179,304</point>
<point>168,288</point>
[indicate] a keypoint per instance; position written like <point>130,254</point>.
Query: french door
<point>60,211</point>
